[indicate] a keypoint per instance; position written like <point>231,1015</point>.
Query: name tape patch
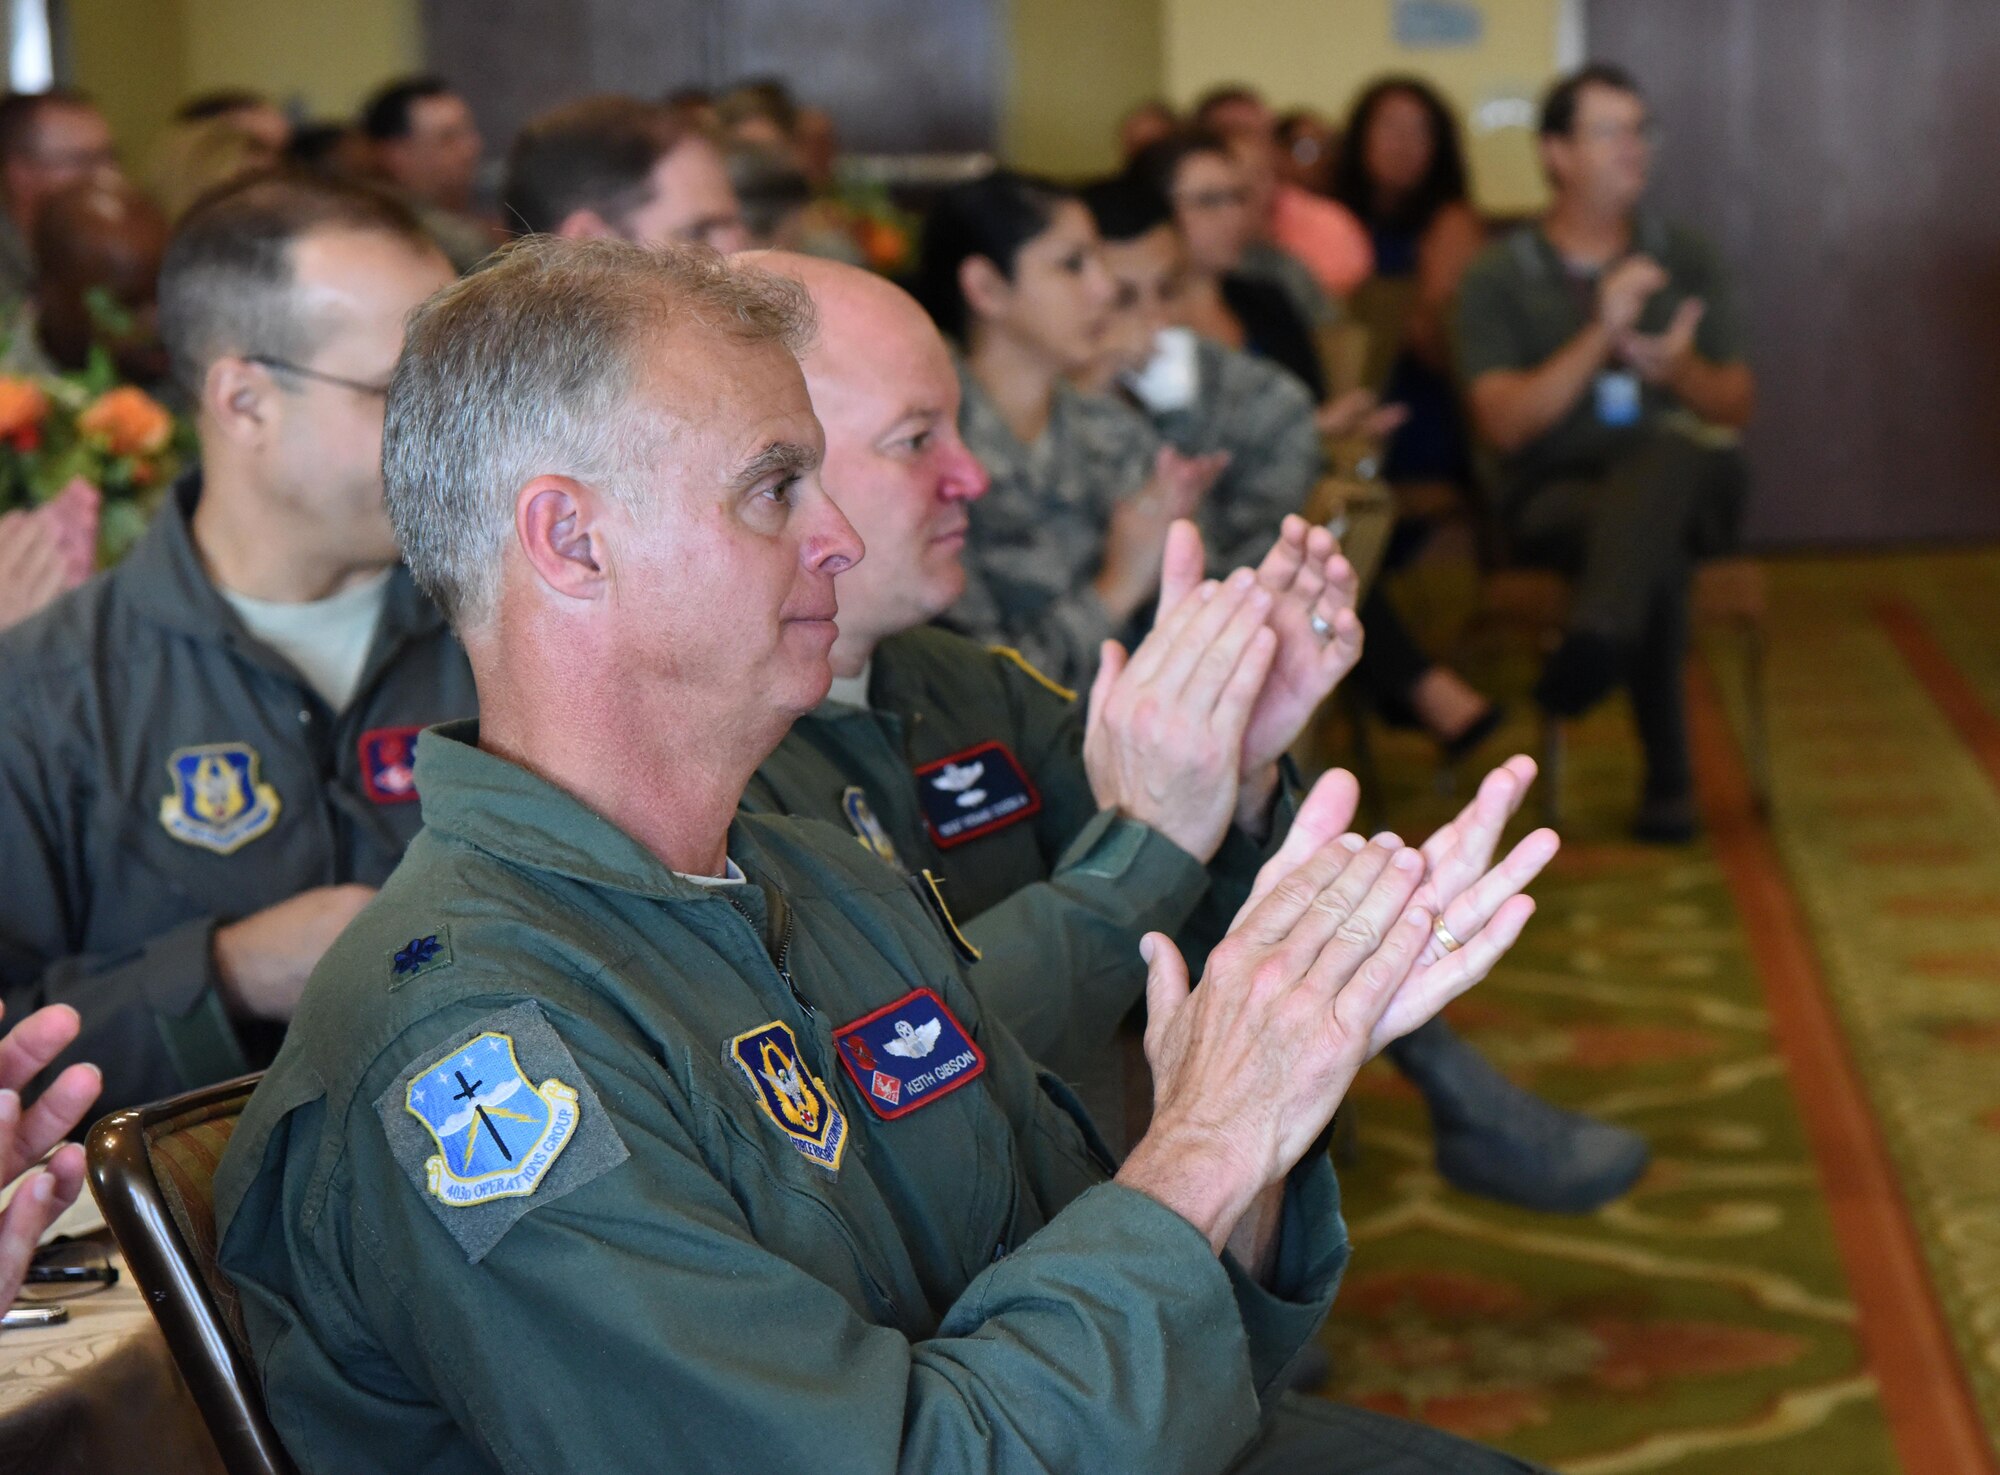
<point>974,793</point>
<point>908,1054</point>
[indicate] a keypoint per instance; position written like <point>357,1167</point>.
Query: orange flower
<point>127,422</point>
<point>22,406</point>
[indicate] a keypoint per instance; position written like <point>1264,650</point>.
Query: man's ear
<point>561,526</point>
<point>985,289</point>
<point>239,400</point>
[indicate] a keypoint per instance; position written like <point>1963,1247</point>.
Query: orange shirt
<point>1325,236</point>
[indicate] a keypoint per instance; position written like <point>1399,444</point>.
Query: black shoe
<point>1582,672</point>
<point>1498,1141</point>
<point>1537,1156</point>
<point>1670,820</point>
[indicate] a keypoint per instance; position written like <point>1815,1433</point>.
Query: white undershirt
<point>731,876</point>
<point>853,690</point>
<point>327,639</point>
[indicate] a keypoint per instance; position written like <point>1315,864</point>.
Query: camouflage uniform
<point>1037,536</point>
<point>1263,417</point>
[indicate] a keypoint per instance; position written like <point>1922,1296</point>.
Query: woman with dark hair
<point>1063,552</point>
<point>1401,169</point>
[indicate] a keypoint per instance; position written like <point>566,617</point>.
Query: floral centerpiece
<point>83,439</point>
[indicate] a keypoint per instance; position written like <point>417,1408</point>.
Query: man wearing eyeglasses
<point>1603,364</point>
<point>205,755</point>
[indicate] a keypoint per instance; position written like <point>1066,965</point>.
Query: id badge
<point>1617,398</point>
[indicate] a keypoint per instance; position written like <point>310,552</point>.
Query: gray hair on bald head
<point>528,367</point>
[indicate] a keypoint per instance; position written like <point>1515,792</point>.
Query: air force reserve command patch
<point>868,829</point>
<point>797,1102</point>
<point>217,802</point>
<point>908,1054</point>
<point>974,793</point>
<point>497,1122</point>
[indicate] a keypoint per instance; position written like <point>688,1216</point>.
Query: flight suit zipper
<point>783,962</point>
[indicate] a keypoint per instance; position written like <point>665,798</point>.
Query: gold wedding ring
<point>1443,934</point>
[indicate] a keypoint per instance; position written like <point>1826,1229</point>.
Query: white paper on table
<point>81,1217</point>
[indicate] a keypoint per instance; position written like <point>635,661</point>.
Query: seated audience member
<point>1064,550</point>
<point>193,158</point>
<point>615,166</point>
<point>1143,126</point>
<point>1492,1138</point>
<point>1603,362</point>
<point>614,1147</point>
<point>1201,395</point>
<point>780,210</point>
<point>427,147</point>
<point>1055,903</point>
<point>48,142</point>
<point>205,753</point>
<point>248,111</point>
<point>694,109</point>
<point>1199,176</point>
<point>100,245</point>
<point>332,148</point>
<point>1402,171</point>
<point>1317,231</point>
<point>1195,173</point>
<point>1307,147</point>
<point>29,1130</point>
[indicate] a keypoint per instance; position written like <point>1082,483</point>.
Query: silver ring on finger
<point>1320,625</point>
<point>1443,934</point>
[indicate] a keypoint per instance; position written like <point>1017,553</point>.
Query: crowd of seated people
<point>687,542</point>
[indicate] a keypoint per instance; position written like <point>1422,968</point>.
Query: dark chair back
<point>152,1170</point>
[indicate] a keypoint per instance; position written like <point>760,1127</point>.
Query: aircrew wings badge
<point>497,1132</point>
<point>908,1054</point>
<point>217,802</point>
<point>797,1101</point>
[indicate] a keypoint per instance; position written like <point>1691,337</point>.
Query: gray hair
<point>527,368</point>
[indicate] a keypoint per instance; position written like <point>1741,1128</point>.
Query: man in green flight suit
<point>1090,831</point>
<point>624,1132</point>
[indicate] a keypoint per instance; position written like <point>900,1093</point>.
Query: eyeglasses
<point>1212,199</point>
<point>67,1269</point>
<point>379,391</point>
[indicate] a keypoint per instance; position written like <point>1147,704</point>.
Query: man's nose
<point>964,479</point>
<point>833,546</point>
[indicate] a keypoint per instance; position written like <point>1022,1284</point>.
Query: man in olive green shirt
<point>623,1132</point>
<point>1603,362</point>
<point>198,789</point>
<point>1062,863</point>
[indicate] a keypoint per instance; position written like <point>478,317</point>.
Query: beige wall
<point>1076,67</point>
<point>1319,53</point>
<point>141,57</point>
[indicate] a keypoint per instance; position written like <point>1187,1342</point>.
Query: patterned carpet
<point>1706,1324</point>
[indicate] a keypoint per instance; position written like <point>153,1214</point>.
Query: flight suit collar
<point>523,819</point>
<point>166,582</point>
